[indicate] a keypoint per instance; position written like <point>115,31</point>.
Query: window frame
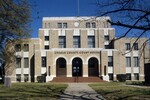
<point>26,47</point>
<point>18,62</point>
<point>91,41</point>
<point>76,42</point>
<point>128,61</point>
<point>43,62</point>
<point>127,46</point>
<point>62,42</point>
<point>26,62</point>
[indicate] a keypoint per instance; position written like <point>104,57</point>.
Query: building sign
<point>77,52</point>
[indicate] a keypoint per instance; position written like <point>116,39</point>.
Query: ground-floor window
<point>128,76</point>
<point>18,77</point>
<point>26,77</point>
<point>136,76</point>
<point>110,76</point>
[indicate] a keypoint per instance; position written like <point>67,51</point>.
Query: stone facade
<point>79,46</point>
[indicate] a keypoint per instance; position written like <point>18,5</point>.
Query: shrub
<point>121,77</point>
<point>40,79</point>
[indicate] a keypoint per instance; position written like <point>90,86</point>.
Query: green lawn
<point>119,91</point>
<point>31,91</point>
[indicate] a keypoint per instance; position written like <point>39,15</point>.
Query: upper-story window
<point>106,38</point>
<point>107,46</point>
<point>110,60</point>
<point>90,25</point>
<point>128,47</point>
<point>76,41</point>
<point>46,38</point>
<point>135,46</point>
<point>47,25</point>
<point>62,25</point>
<point>93,25</point>
<point>62,42</point>
<point>136,62</point>
<point>43,61</point>
<point>128,61</point>
<point>91,41</point>
<point>26,62</point>
<point>26,47</point>
<point>18,47</point>
<point>46,47</point>
<point>18,62</point>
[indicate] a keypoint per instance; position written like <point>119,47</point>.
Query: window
<point>136,61</point>
<point>91,41</point>
<point>46,38</point>
<point>110,61</point>
<point>18,47</point>
<point>110,76</point>
<point>93,25</point>
<point>76,41</point>
<point>62,42</point>
<point>127,46</point>
<point>136,76</point>
<point>88,25</point>
<point>62,25</point>
<point>46,47</point>
<point>48,25</point>
<point>18,77</point>
<point>106,38</point>
<point>128,61</point>
<point>26,47</point>
<point>106,46</point>
<point>135,45</point>
<point>43,61</point>
<point>26,63</point>
<point>45,25</point>
<point>26,77</point>
<point>59,25</point>
<point>128,76</point>
<point>18,62</point>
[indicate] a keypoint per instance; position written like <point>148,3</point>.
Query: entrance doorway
<point>60,67</point>
<point>77,67</point>
<point>93,67</point>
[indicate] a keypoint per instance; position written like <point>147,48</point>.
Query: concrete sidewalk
<point>80,91</point>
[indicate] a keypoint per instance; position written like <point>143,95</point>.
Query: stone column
<point>69,70</point>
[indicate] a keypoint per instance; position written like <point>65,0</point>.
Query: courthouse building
<point>78,46</point>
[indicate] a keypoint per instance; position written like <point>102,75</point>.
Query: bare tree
<point>129,14</point>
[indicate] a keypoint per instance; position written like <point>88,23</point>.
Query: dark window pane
<point>76,41</point>
<point>26,47</point>
<point>127,46</point>
<point>26,63</point>
<point>91,41</point>
<point>135,45</point>
<point>18,62</point>
<point>88,25</point>
<point>18,47</point>
<point>43,61</point>
<point>46,47</point>
<point>46,38</point>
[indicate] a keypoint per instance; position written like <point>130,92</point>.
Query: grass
<point>119,91</point>
<point>31,91</point>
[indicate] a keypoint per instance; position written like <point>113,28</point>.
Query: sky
<point>58,8</point>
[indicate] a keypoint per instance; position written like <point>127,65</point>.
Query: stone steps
<point>77,79</point>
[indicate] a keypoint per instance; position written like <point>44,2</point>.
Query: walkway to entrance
<point>80,91</point>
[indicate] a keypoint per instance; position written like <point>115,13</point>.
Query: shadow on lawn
<point>30,93</point>
<point>85,96</point>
